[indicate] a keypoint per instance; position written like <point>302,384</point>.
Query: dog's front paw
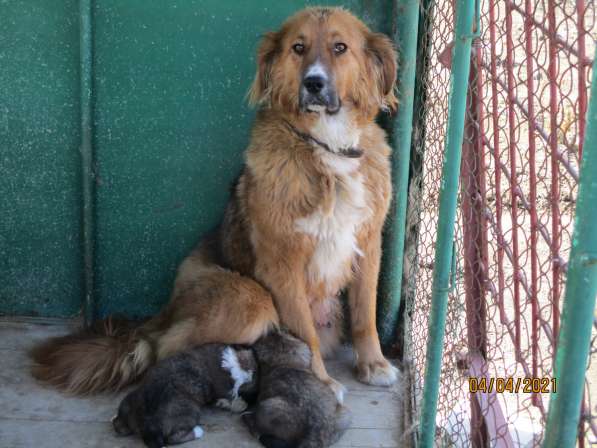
<point>338,389</point>
<point>377,373</point>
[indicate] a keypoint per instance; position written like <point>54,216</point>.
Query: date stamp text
<point>511,385</point>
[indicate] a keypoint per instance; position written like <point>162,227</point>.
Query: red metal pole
<point>514,185</point>
<point>555,181</point>
<point>474,235</point>
<point>528,33</point>
<point>582,75</point>
<point>497,161</point>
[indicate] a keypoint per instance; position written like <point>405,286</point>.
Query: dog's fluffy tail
<point>106,357</point>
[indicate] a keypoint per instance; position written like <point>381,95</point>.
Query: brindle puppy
<point>294,408</point>
<point>166,407</point>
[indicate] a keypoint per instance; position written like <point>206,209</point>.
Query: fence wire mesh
<point>523,142</point>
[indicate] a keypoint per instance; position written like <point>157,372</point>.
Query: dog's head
<point>323,59</point>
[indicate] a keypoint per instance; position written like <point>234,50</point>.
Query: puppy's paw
<point>198,432</point>
<point>338,389</point>
<point>377,373</point>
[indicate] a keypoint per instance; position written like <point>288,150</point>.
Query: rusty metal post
<point>513,167</point>
<point>475,233</point>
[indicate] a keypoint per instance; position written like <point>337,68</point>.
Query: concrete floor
<point>32,416</point>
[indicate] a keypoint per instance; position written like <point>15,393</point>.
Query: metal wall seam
<point>87,156</point>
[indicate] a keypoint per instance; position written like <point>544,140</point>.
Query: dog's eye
<point>340,48</point>
<point>298,48</point>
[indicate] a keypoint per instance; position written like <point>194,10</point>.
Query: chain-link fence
<point>525,125</point>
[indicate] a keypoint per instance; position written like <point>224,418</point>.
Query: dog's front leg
<point>285,280</point>
<point>372,367</point>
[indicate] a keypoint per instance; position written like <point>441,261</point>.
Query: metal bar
<point>405,37</point>
<point>579,303</point>
<point>465,10</point>
<point>513,180</point>
<point>87,159</point>
<point>424,47</point>
<point>556,224</point>
<point>496,154</point>
<point>480,200</point>
<point>582,74</point>
<point>474,239</point>
<point>582,110</point>
<point>528,33</point>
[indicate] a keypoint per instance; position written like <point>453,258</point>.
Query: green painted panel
<point>40,270</point>
<point>170,126</point>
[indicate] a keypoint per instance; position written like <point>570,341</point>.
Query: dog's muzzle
<point>317,93</point>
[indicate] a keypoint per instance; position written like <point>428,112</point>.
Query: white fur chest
<point>336,231</point>
<point>339,132</point>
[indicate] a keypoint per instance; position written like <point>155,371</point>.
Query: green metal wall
<point>40,269</point>
<point>170,125</point>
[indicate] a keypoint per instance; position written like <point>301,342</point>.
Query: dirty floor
<point>32,416</point>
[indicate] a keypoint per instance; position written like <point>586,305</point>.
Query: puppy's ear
<point>382,55</point>
<point>260,91</point>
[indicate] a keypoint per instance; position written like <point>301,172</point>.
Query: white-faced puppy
<point>166,407</point>
<point>294,408</point>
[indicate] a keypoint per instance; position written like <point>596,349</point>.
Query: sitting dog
<point>165,408</point>
<point>304,221</point>
<point>294,408</point>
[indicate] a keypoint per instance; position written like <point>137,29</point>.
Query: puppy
<point>166,407</point>
<point>294,408</point>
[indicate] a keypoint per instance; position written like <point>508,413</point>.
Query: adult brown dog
<point>303,224</point>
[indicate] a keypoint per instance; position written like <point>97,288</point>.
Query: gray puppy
<point>294,408</point>
<point>165,408</point>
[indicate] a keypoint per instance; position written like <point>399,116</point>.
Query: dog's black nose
<point>314,84</point>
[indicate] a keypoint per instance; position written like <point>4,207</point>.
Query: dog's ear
<point>382,55</point>
<point>260,91</point>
